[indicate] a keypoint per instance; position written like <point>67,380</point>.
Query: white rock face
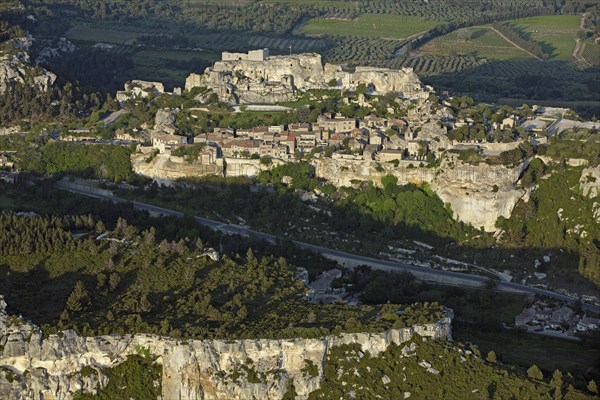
<point>590,181</point>
<point>165,167</point>
<point>16,66</point>
<point>61,45</point>
<point>342,172</point>
<point>32,367</point>
<point>140,89</point>
<point>244,80</point>
<point>477,194</point>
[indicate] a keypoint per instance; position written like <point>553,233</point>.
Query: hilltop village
<point>415,125</point>
<point>252,112</point>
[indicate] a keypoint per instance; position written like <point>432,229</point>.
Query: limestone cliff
<point>343,171</point>
<point>590,181</point>
<point>166,167</point>
<point>16,66</point>
<point>33,367</point>
<point>241,78</point>
<point>478,194</point>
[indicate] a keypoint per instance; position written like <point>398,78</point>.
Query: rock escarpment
<point>33,367</point>
<point>167,167</point>
<point>478,194</point>
<point>257,77</point>
<point>590,181</point>
<point>16,67</point>
<point>344,171</point>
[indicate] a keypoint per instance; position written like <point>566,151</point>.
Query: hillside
<point>167,41</point>
<point>415,361</point>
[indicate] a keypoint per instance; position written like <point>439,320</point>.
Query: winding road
<point>343,258</point>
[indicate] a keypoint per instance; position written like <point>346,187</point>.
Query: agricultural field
<point>318,4</point>
<point>88,33</point>
<point>427,65</point>
<point>370,25</point>
<point>480,41</point>
<point>172,55</point>
<point>591,52</point>
<point>299,45</point>
<point>555,33</point>
<point>362,50</point>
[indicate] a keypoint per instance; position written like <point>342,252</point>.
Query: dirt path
<point>514,44</point>
<point>578,50</point>
<point>579,46</point>
<point>582,20</point>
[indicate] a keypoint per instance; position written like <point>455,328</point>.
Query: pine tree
<point>592,387</point>
<point>535,373</point>
<point>557,383</point>
<point>145,305</point>
<point>78,298</point>
<point>113,281</point>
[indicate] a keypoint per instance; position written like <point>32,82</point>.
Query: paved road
<point>113,117</point>
<point>344,258</point>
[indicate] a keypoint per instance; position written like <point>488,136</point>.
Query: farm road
<point>514,44</point>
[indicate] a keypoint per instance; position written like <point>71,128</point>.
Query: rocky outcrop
<point>257,78</point>
<point>248,167</point>
<point>402,81</point>
<point>164,167</point>
<point>344,171</point>
<point>16,67</point>
<point>55,49</point>
<point>478,194</point>
<point>33,367</point>
<point>138,89</point>
<point>590,181</point>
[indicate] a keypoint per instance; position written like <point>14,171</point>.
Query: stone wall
<point>33,367</point>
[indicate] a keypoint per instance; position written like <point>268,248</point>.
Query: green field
<point>556,34</point>
<point>385,26</point>
<point>91,34</point>
<point>337,4</point>
<point>173,55</point>
<point>479,41</point>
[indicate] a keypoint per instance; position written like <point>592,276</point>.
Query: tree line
<point>518,37</point>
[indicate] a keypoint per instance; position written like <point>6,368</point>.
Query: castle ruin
<point>258,77</point>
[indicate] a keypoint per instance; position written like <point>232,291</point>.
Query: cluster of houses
<point>372,137</point>
<point>541,316</point>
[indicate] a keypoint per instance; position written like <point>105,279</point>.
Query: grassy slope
<point>555,33</point>
<point>483,42</point>
<point>385,26</point>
